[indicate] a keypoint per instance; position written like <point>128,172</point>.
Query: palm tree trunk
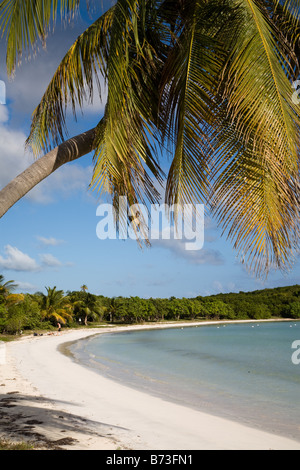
<point>68,151</point>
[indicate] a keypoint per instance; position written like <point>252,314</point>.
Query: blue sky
<point>49,238</point>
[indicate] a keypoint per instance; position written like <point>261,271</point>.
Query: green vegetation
<point>41,312</point>
<point>6,445</point>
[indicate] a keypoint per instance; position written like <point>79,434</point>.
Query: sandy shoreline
<point>47,398</point>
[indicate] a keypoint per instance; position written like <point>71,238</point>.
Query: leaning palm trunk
<point>68,151</point>
<point>210,80</point>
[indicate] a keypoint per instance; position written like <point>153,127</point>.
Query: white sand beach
<point>47,398</point>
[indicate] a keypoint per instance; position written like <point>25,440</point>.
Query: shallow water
<point>242,372</point>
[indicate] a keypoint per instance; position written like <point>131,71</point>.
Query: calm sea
<point>242,372</point>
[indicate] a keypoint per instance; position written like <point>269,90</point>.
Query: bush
<point>294,310</point>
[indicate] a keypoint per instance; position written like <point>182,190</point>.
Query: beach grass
<point>7,445</point>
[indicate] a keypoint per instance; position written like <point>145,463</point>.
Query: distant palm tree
<point>210,80</point>
<point>87,307</point>
<point>84,288</point>
<point>55,306</point>
<point>6,287</point>
<point>112,309</point>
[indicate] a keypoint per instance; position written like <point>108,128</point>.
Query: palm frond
<point>126,151</point>
<point>257,166</point>
<point>213,78</point>
<point>187,107</point>
<point>73,83</point>
<point>25,22</point>
<point>292,7</point>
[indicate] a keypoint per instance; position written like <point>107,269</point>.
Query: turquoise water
<point>242,372</point>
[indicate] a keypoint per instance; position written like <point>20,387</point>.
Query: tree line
<point>43,310</point>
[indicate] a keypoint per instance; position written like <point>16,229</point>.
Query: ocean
<point>241,371</point>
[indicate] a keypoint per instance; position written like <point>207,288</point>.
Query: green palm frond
<point>55,305</point>
<point>188,102</point>
<point>292,7</point>
<point>25,22</point>
<point>73,82</point>
<point>122,163</point>
<point>125,141</point>
<point>6,286</point>
<point>257,166</point>
<point>286,17</point>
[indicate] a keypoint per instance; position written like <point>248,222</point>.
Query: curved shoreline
<point>67,399</point>
<point>247,404</point>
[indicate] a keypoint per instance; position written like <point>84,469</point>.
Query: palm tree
<point>55,306</point>
<point>210,80</point>
<point>112,309</point>
<point>6,287</point>
<point>87,307</point>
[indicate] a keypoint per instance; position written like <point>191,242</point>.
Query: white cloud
<point>178,248</point>
<point>50,241</point>
<point>50,260</point>
<point>26,286</point>
<point>3,113</point>
<point>16,260</point>
<point>203,256</point>
<point>64,182</point>
<point>12,154</point>
<point>31,80</point>
<point>24,93</point>
<point>218,286</point>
